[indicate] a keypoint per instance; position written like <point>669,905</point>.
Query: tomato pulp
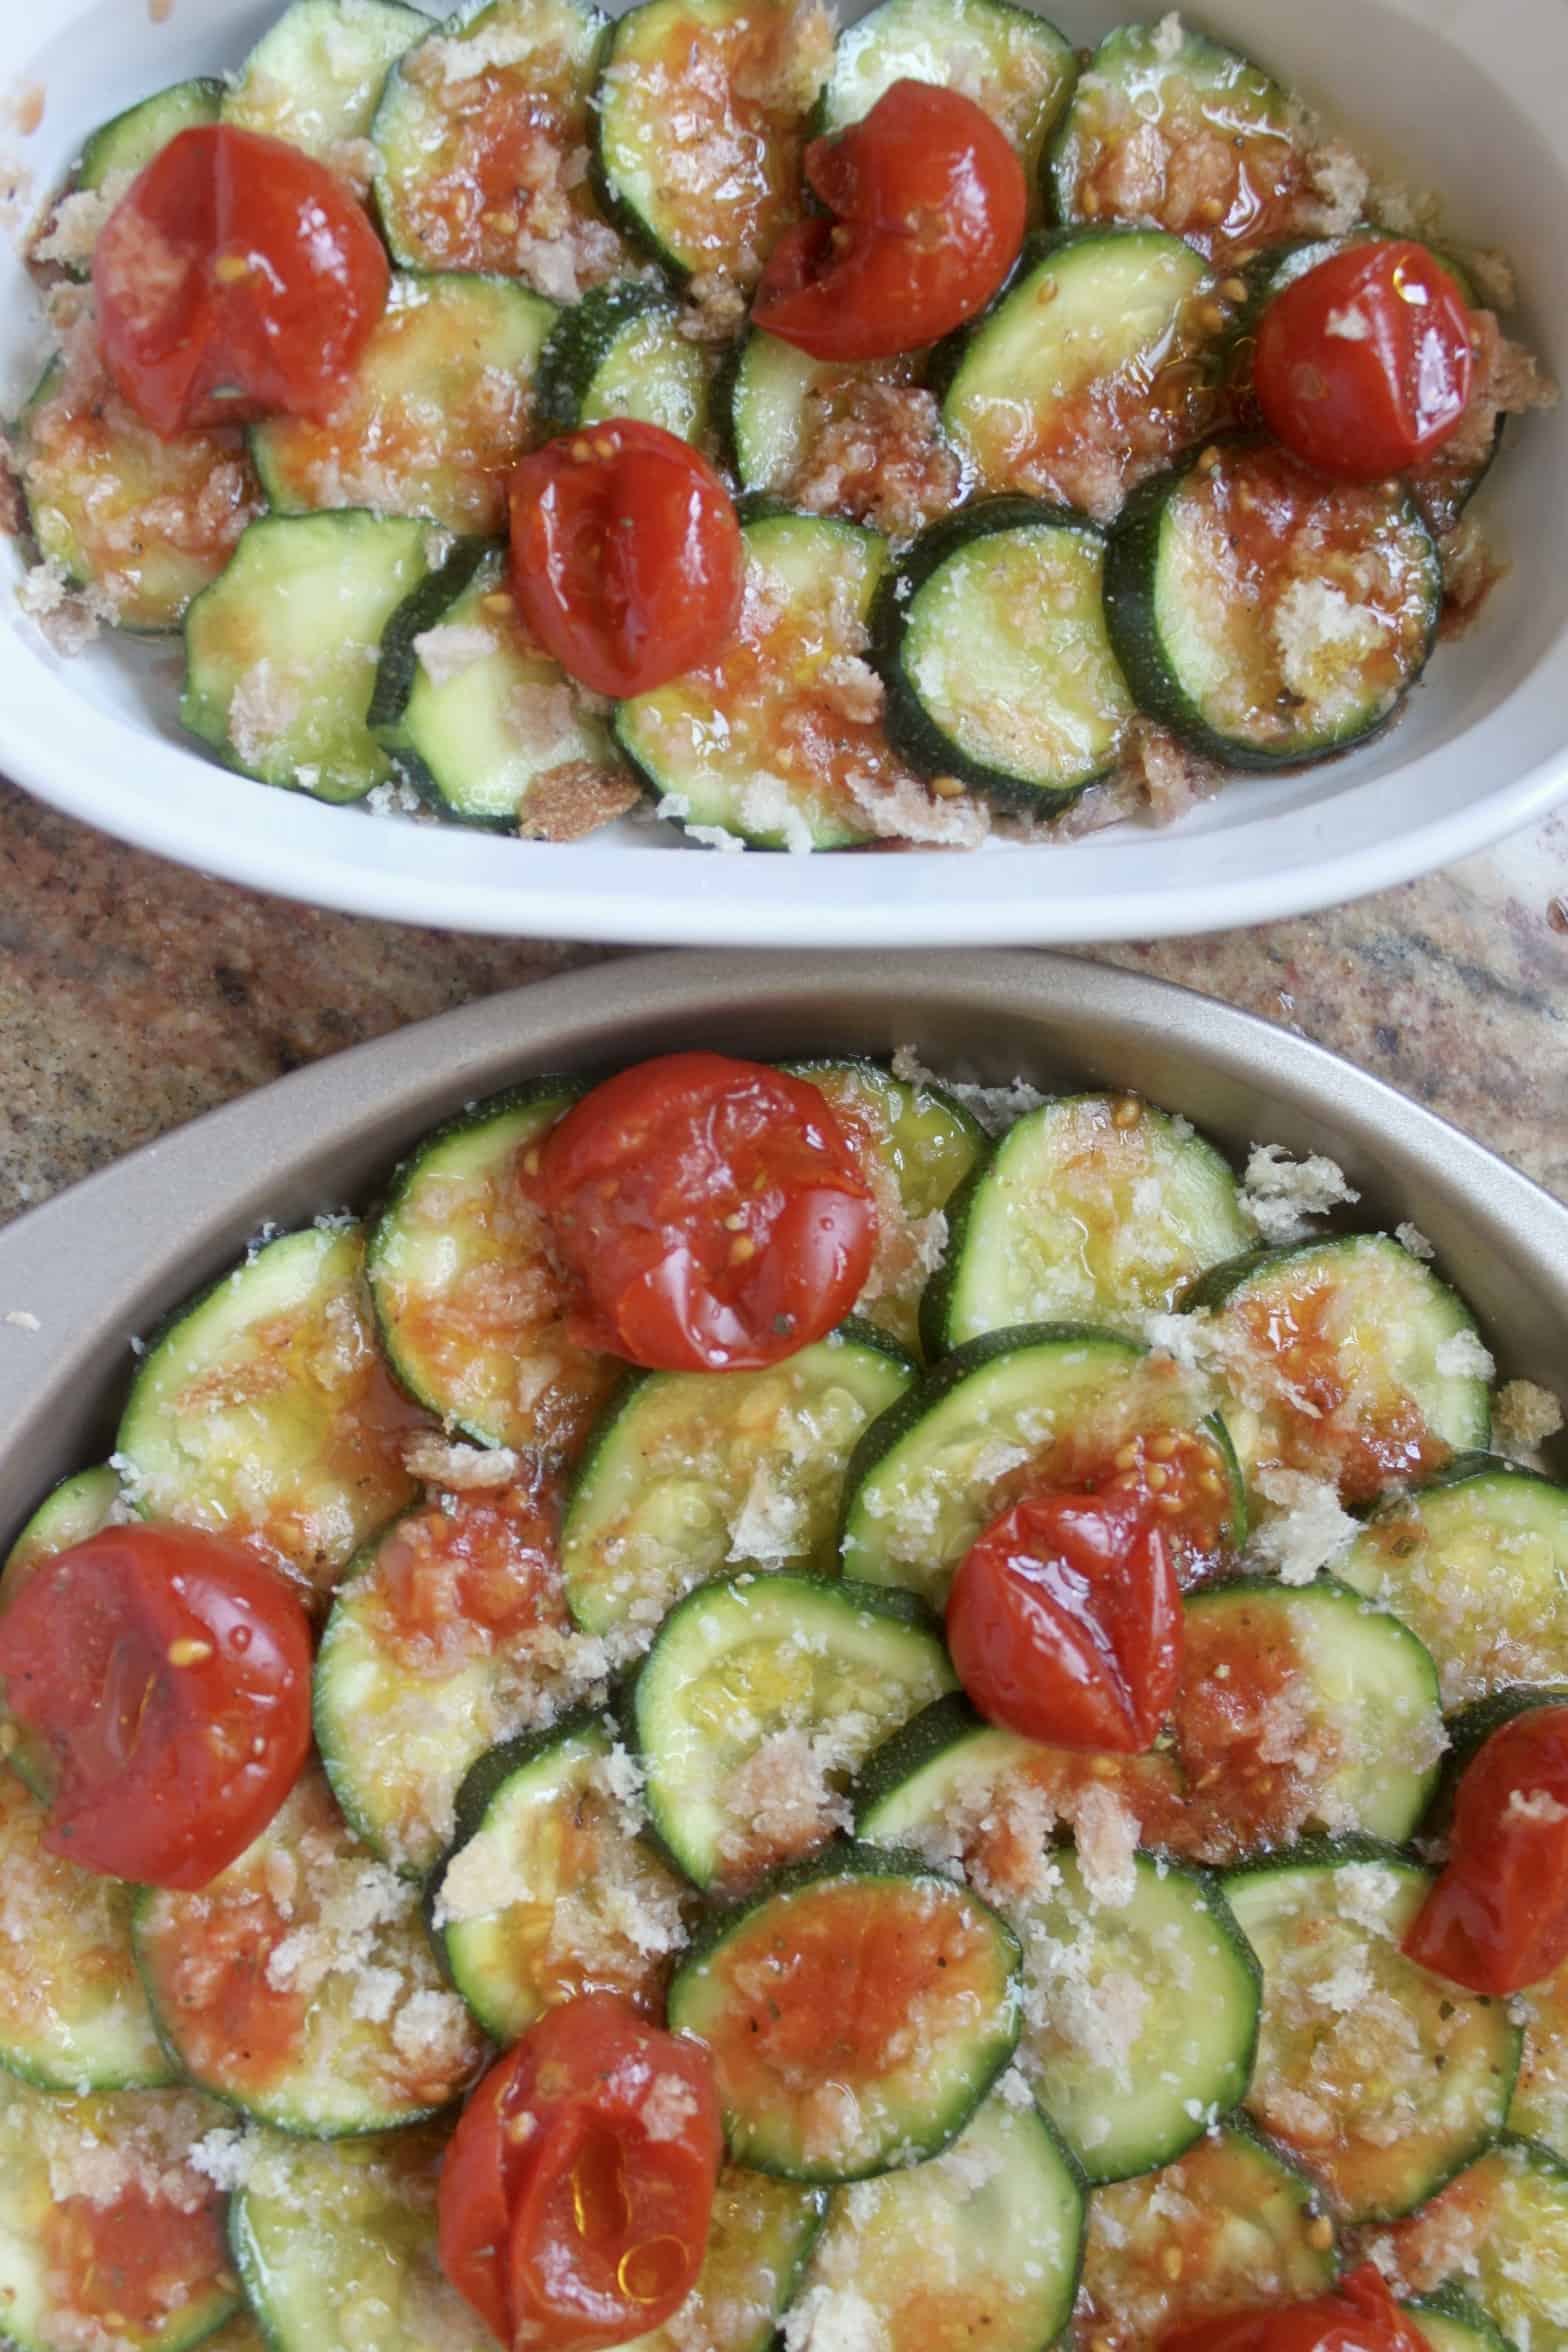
<point>627,561</point>
<point>235,278</point>
<point>929,205</point>
<point>1358,2315</point>
<point>166,1674</point>
<point>711,1211</point>
<point>1497,1918</point>
<point>576,2195</point>
<point>1363,365</point>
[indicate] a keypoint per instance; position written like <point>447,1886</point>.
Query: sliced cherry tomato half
<point>627,561</point>
<point>235,278</point>
<point>1497,1918</point>
<point>1363,365</point>
<point>577,2193</point>
<point>712,1212</point>
<point>930,203</point>
<point>166,1673</point>
<point>1358,2315</point>
<point>1064,1621</point>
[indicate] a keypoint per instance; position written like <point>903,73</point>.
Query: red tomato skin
<point>711,1210</point>
<point>520,2231</point>
<point>627,558</point>
<point>236,277</point>
<point>1497,1918</point>
<point>1064,1622</point>
<point>1358,2315</point>
<point>931,206</point>
<point>1363,406</point>
<point>170,1762</point>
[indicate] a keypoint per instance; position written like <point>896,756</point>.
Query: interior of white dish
<point>1440,93</point>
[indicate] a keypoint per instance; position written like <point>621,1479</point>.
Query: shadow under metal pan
<point>105,1260</point>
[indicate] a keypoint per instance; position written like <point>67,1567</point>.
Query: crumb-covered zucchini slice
<point>1265,615</point>
<point>990,634</point>
<point>1096,1208</point>
<point>1539,2109</point>
<point>980,2246</point>
<point>857,2010</point>
<point>548,1888</point>
<point>699,117</point>
<point>360,2214</point>
<point>82,2237</point>
<point>81,1505</point>
<point>471,1310</point>
<point>435,415</point>
<point>916,1144</point>
<point>281,651</point>
<point>146,523</point>
<point>315,77</point>
<point>1229,2225</point>
<point>479,136</point>
<point>111,158</point>
<point>760,2240</point>
<point>1477,1565</point>
<point>1349,1360</point>
<point>759,1699</point>
<point>299,1986</point>
<point>1499,2236</point>
<point>1450,2322</point>
<point>690,1474</point>
<point>620,352</point>
<point>1384,2079</point>
<point>1012,61</point>
<point>263,1409</point>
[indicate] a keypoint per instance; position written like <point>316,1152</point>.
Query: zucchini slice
<point>73,2016</point>
<point>1349,1360</point>
<point>1011,61</point>
<point>699,121</point>
<point>470,1309</point>
<point>1042,1404</point>
<point>262,1409</point>
<point>1267,616</point>
<point>620,353</point>
<point>991,637</point>
<point>299,1986</point>
<point>1227,2226</point>
<point>1384,2079</point>
<point>110,160</point>
<point>691,1473</point>
<point>1499,2235</point>
<point>78,1507</point>
<point>858,2011</point>
<point>1539,2110</point>
<point>759,2243</point>
<point>281,650</point>
<point>337,2243</point>
<point>478,133</point>
<point>547,1890</point>
<point>764,743</point>
<point>1477,1565</point>
<point>1169,129</point>
<point>68,2212</point>
<point>1094,366</point>
<point>1096,1208</point>
<point>315,77</point>
<point>1140,2018</point>
<point>448,1635</point>
<point>915,1145</point>
<point>1450,2322</point>
<point>758,1700</point>
<point>433,418</point>
<point>774,403</point>
<point>1346,1691</point>
<point>980,2246</point>
<point>149,523</point>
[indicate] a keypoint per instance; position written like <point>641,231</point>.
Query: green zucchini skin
<point>1450,2322</point>
<point>584,338</point>
<point>397,668</point>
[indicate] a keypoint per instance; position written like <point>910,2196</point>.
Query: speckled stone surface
<point>134,995</point>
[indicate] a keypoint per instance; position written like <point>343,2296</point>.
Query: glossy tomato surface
<point>928,205</point>
<point>1359,2315</point>
<point>1363,365</point>
<point>627,560</point>
<point>711,1211</point>
<point>236,278</point>
<point>577,2193</point>
<point>1497,1918</point>
<point>166,1675</point>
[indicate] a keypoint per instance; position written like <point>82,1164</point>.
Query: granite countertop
<point>134,995</point>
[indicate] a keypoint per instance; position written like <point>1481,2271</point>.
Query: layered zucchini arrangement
<point>1052,555</point>
<point>640,1683</point>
